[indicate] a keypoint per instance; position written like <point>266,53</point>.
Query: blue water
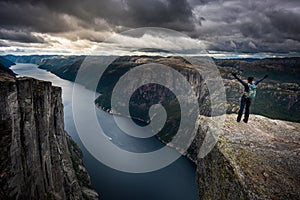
<point>174,182</point>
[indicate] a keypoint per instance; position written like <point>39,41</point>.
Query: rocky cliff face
<point>38,160</point>
<point>258,160</point>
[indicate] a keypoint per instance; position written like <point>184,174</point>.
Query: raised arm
<point>240,80</point>
<point>260,80</point>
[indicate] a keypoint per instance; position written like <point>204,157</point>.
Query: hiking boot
<point>246,121</point>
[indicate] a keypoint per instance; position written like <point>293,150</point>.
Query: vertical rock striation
<point>38,160</point>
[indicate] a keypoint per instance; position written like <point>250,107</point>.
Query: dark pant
<point>244,101</point>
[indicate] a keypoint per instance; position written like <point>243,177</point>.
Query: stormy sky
<point>79,26</point>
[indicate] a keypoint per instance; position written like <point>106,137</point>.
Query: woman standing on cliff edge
<point>248,95</point>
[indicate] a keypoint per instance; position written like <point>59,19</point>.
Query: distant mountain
<point>6,71</point>
<point>65,67</point>
<point>6,62</point>
<point>279,69</point>
<point>35,59</point>
<point>4,67</point>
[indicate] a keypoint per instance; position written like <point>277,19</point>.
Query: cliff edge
<point>258,160</point>
<point>38,160</point>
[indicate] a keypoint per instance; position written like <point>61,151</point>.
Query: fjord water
<point>176,181</point>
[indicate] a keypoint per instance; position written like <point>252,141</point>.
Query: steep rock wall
<point>37,157</point>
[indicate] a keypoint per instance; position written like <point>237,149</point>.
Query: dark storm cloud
<point>129,13</point>
<point>30,17</point>
<point>58,16</point>
<point>20,36</point>
<point>231,25</point>
<point>174,14</point>
<point>250,26</point>
<point>287,23</point>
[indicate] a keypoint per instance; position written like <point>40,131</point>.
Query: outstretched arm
<point>240,80</point>
<point>260,80</point>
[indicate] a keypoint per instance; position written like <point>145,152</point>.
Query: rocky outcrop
<point>38,160</point>
<point>258,160</point>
